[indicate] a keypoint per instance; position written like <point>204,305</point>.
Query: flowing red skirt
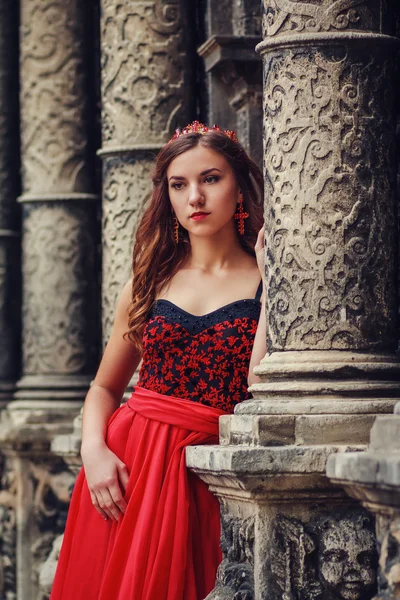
<point>166,546</point>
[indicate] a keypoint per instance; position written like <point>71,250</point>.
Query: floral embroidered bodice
<point>201,358</point>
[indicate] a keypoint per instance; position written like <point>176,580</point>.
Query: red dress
<point>166,545</point>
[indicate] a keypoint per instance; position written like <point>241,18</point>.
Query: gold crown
<point>197,127</point>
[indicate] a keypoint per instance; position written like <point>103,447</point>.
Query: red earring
<point>240,215</point>
<point>176,230</point>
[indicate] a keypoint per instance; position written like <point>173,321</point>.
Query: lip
<point>199,216</point>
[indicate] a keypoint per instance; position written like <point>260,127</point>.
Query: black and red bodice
<point>201,358</point>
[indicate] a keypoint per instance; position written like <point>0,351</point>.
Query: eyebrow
<point>206,172</point>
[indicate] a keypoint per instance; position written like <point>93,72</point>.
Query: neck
<point>214,252</point>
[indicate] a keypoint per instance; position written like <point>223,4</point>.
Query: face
<point>347,562</point>
<point>203,191</point>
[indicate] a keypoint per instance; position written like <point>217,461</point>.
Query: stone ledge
<point>370,468</point>
<point>261,461</point>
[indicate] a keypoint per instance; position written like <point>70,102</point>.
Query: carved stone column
<point>331,243</point>
<point>233,69</point>
<point>59,277</point>
<point>147,92</point>
<point>9,213</point>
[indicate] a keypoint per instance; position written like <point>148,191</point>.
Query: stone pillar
<point>59,219</point>
<point>147,92</point>
<point>60,299</point>
<point>9,213</point>
<point>331,243</point>
<point>373,478</point>
<point>233,70</point>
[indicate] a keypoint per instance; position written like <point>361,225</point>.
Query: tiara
<point>197,127</point>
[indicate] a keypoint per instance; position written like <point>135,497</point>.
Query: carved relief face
<point>203,192</point>
<point>347,560</point>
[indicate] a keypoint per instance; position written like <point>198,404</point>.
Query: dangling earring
<point>176,230</point>
<point>240,215</point>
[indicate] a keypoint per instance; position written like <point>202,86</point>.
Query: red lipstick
<point>199,216</point>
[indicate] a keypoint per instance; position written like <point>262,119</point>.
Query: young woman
<point>140,526</point>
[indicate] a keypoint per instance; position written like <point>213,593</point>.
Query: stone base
<point>279,515</point>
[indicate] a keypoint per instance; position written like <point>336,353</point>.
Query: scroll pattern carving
<point>329,201</point>
<point>60,304</point>
<point>54,141</point>
<point>144,71</point>
<point>126,184</point>
<point>288,17</point>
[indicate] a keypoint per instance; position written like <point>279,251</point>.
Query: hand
<point>259,250</point>
<point>107,477</point>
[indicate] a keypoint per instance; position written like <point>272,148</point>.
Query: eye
<point>211,178</point>
<point>178,185</point>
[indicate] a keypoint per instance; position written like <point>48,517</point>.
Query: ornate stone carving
<point>126,185</point>
<point>7,532</point>
<point>235,578</point>
<point>289,17</point>
<point>60,303</point>
<point>330,209</point>
<point>51,483</point>
<point>54,133</point>
<point>389,561</point>
<point>332,557</point>
<point>145,72</point>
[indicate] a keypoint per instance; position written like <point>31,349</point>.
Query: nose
<point>195,195</point>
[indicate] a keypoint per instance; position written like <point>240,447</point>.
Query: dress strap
<point>259,291</point>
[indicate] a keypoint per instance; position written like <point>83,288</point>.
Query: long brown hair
<point>156,256</point>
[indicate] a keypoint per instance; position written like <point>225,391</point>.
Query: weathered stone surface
<point>385,434</point>
<point>373,477</point>
<point>262,431</point>
<point>126,181</point>
<point>53,98</point>
<point>333,429</point>
<point>59,308</point>
<point>329,198</point>
<point>59,299</point>
<point>235,577</point>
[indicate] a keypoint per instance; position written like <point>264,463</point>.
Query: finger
<point>123,475</point>
<point>108,505</point>
<point>117,497</point>
<point>96,505</point>
<point>260,238</point>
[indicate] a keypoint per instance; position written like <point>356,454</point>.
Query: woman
<point>191,314</point>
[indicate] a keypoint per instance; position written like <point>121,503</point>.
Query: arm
<point>105,473</point>
<point>260,342</point>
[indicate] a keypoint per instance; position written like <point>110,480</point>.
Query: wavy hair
<point>156,256</point>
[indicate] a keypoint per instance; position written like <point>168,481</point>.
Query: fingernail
<point>105,518</point>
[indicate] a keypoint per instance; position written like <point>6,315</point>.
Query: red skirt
<point>166,545</point>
